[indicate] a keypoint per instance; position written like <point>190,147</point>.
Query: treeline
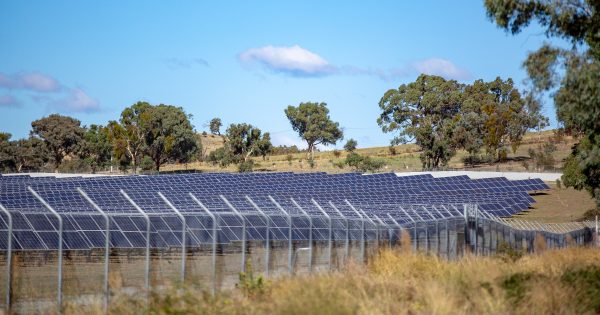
<point>487,119</point>
<point>146,136</point>
<point>441,116</point>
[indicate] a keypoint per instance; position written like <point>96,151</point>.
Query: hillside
<point>405,159</point>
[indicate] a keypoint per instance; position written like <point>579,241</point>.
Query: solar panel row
<point>379,198</point>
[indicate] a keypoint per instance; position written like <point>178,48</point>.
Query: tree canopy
<point>215,126</point>
<point>424,111</point>
<point>570,75</point>
<point>243,141</point>
<point>61,135</point>
<point>441,116</point>
<point>313,124</point>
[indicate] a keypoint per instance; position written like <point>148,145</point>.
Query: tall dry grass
<point>563,281</point>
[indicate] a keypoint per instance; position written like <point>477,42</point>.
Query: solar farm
<point>75,238</point>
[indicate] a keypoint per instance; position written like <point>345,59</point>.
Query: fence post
<point>106,245</point>
<point>290,241</point>
<point>347,244</point>
<point>382,224</point>
<point>329,240</point>
<point>416,236</point>
<point>239,215</point>
<point>60,245</point>
<point>396,224</point>
<point>310,234</point>
<point>183,234</point>
<point>467,230</point>
<point>214,241</point>
<point>267,238</point>
<point>373,223</point>
<point>145,215</point>
<point>8,259</point>
<point>362,228</point>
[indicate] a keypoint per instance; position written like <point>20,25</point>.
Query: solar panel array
<point>263,199</point>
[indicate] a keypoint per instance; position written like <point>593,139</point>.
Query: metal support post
<point>382,224</point>
<point>244,227</point>
<point>597,238</point>
<point>8,259</point>
<point>267,236</point>
<point>373,223</point>
<point>329,234</point>
<point>362,228</point>
<point>147,218</point>
<point>416,235</point>
<point>310,234</point>
<point>60,246</point>
<point>290,240</point>
<point>106,245</point>
<point>183,234</point>
<point>396,224</point>
<point>214,242</point>
<point>347,244</point>
<point>476,230</point>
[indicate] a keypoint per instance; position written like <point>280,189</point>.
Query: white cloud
<point>441,67</point>
<point>76,101</point>
<point>44,89</point>
<point>39,82</point>
<point>294,60</point>
<point>300,62</point>
<point>34,81</point>
<point>8,100</point>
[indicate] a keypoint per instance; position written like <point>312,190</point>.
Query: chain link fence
<point>215,246</point>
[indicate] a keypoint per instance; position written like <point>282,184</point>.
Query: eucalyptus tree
<point>61,135</point>
<point>424,111</point>
<point>571,74</point>
<point>313,124</point>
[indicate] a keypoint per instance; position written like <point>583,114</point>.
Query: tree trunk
<point>311,149</point>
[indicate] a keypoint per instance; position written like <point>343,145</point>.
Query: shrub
<point>289,158</point>
<point>350,145</point>
<point>363,163</point>
<point>147,164</point>
<point>246,166</point>
<point>337,153</point>
<point>392,150</point>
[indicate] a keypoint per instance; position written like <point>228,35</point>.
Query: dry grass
<point>406,158</point>
<point>558,205</point>
<point>398,282</point>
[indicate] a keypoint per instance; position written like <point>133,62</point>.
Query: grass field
<point>406,157</point>
<point>563,281</point>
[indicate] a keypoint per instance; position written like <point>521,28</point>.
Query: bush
<point>311,163</point>
<point>543,157</point>
<point>289,158</point>
<point>147,164</point>
<point>337,153</point>
<point>350,145</point>
<point>220,156</point>
<point>363,163</point>
<point>246,166</point>
<point>74,166</point>
<point>392,150</point>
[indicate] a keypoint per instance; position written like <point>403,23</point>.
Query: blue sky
<point>241,61</point>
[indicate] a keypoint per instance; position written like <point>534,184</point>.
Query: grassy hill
<point>402,158</point>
